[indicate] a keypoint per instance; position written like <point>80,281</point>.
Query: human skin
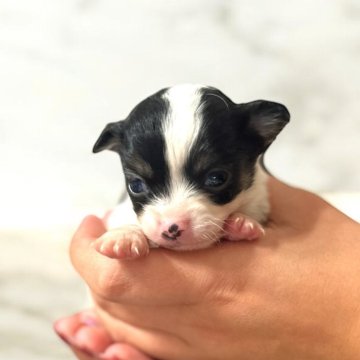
<point>292,294</point>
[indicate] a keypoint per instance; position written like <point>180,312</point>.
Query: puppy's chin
<point>193,223</point>
<point>195,245</point>
<point>186,242</point>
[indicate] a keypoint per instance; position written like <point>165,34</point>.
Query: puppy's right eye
<point>217,179</point>
<point>137,186</point>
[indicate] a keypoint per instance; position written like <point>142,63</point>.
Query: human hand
<point>291,295</point>
<point>84,332</point>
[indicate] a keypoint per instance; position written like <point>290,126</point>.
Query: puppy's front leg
<point>127,241</point>
<point>240,227</point>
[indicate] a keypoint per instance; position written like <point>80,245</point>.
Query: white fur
<point>182,125</point>
<point>122,214</point>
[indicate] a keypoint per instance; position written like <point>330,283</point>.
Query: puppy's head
<point>188,153</point>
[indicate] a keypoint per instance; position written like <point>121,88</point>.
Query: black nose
<point>173,228</point>
<point>173,232</point>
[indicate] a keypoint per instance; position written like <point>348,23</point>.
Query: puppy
<point>191,158</point>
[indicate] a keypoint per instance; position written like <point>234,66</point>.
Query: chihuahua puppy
<point>191,158</point>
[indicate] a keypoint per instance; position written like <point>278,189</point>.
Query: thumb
<point>90,228</point>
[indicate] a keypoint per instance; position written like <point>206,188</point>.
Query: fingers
<point>83,257</point>
<point>90,228</point>
<point>84,333</point>
<point>88,339</point>
<point>123,352</point>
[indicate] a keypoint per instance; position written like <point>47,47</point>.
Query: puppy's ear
<point>265,118</point>
<point>110,138</point>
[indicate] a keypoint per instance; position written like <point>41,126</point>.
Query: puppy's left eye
<point>137,186</point>
<point>216,179</point>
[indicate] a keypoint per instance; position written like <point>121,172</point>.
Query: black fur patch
<point>232,137</point>
<point>224,142</point>
<point>143,143</point>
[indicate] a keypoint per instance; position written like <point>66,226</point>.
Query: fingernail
<point>89,321</point>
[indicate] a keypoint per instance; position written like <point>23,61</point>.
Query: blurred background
<point>68,67</point>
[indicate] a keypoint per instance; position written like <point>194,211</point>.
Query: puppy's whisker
<point>216,225</point>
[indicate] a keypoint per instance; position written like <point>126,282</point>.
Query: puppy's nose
<point>174,230</point>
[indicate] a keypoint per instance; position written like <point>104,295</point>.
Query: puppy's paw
<point>240,227</point>
<point>127,242</point>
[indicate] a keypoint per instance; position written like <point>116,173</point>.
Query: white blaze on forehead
<point>182,126</point>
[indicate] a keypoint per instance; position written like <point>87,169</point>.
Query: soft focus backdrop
<point>67,67</point>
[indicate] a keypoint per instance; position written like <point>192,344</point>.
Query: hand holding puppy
<point>293,294</point>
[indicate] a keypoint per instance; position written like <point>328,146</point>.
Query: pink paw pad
<point>123,243</point>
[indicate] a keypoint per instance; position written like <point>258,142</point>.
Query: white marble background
<point>67,67</point>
